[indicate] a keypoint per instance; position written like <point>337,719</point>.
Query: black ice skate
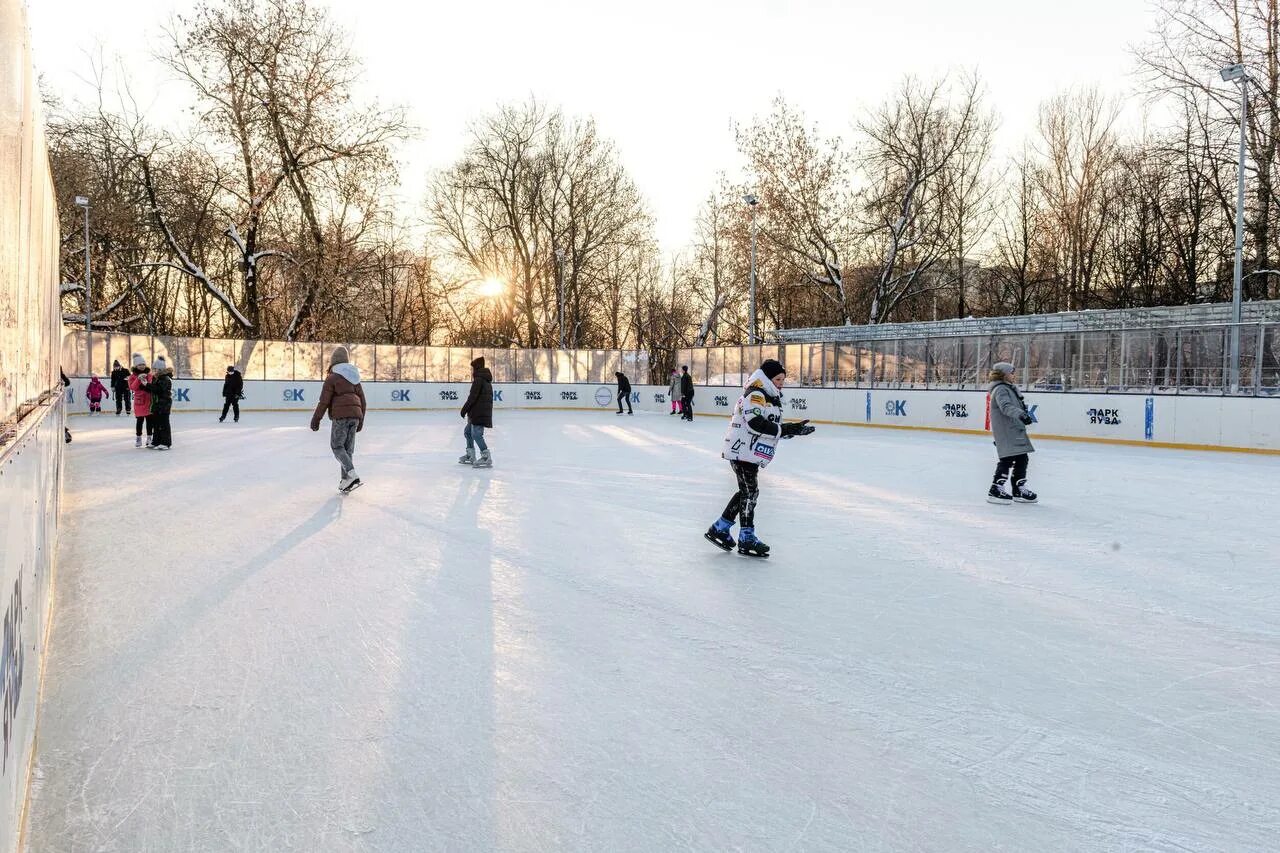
<point>722,539</point>
<point>346,487</point>
<point>997,495</point>
<point>1023,495</point>
<point>750,546</point>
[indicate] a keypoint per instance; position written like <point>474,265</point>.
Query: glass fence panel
<point>117,350</point>
<point>459,369</point>
<point>812,376</point>
<point>413,364</point>
<point>752,357</point>
<point>604,364</point>
<point>1202,355</point>
<point>307,364</point>
<point>177,354</point>
<point>386,362</point>
<point>698,366</point>
<point>250,358</point>
<point>714,373</point>
<point>1269,381</point>
<point>913,358</point>
<point>279,360</point>
<point>437,364</point>
<point>733,367</point>
<point>1044,366</point>
<point>141,345</point>
<point>218,356</point>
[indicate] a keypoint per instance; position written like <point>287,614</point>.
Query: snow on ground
<point>548,656</point>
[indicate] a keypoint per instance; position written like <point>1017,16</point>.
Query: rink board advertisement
<point>1246,423</point>
<point>30,471</point>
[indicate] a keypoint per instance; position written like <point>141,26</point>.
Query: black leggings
<point>123,399</point>
<point>142,419</point>
<point>624,395</point>
<point>686,408</point>
<point>743,503</point>
<point>231,403</point>
<point>1019,465</point>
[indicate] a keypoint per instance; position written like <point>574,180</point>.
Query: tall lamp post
<point>753,203</point>
<point>1237,74</point>
<point>83,202</point>
<point>560,292</point>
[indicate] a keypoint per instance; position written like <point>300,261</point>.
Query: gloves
<point>793,429</point>
<point>315,427</point>
<point>463,413</point>
<point>1026,419</point>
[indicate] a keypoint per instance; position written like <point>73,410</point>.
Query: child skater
<point>1009,422</point>
<point>750,444</point>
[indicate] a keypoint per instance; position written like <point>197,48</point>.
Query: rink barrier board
<point>1237,424</point>
<point>30,489</point>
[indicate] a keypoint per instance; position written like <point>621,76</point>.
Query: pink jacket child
<point>141,402</point>
<point>95,394</point>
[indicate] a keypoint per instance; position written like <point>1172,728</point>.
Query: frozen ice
<point>548,656</point>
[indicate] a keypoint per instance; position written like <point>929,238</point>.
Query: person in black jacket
<point>120,388</point>
<point>624,392</point>
<point>478,410</point>
<point>160,386</point>
<point>686,393</point>
<point>232,393</point>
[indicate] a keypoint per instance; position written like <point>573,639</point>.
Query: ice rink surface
<point>548,655</point>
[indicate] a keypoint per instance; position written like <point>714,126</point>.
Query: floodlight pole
<point>753,202</point>
<point>560,292</point>
<point>1238,74</point>
<point>83,202</point>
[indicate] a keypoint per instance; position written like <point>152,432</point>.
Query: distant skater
<point>342,398</point>
<point>120,389</point>
<point>624,392</point>
<point>232,393</point>
<point>673,391</point>
<point>754,432</point>
<point>1009,421</point>
<point>141,400</point>
<point>686,394</point>
<point>478,410</point>
<point>95,394</point>
<point>160,386</point>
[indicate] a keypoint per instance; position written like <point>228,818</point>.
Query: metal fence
<point>208,358</point>
<point>1166,360</point>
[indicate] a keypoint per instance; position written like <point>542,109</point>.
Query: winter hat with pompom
<point>160,365</point>
<point>139,360</point>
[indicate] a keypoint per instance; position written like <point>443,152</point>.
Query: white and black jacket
<point>756,426</point>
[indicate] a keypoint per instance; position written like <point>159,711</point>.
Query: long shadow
<point>441,772</point>
<point>169,626</point>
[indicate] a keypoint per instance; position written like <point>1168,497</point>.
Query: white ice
<point>548,655</point>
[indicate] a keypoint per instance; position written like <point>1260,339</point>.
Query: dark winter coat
<point>120,380</point>
<point>686,385</point>
<point>340,396</point>
<point>624,385</point>
<point>160,387</point>
<point>233,385</point>
<point>478,410</point>
<point>1007,428</point>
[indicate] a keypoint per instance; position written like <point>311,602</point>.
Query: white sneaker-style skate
<point>137,442</point>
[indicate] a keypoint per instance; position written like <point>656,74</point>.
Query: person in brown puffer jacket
<point>343,398</point>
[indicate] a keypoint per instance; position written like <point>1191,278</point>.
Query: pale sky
<point>665,79</point>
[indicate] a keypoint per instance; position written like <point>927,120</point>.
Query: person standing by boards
<point>686,394</point>
<point>624,392</point>
<point>478,410</point>
<point>1009,421</point>
<point>232,393</point>
<point>342,398</point>
<point>673,391</point>
<point>750,444</point>
<point>120,388</point>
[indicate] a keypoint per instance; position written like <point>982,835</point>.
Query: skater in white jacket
<point>750,445</point>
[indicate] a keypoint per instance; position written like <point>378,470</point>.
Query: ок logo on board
<point>895,408</point>
<point>401,395</point>
<point>294,395</point>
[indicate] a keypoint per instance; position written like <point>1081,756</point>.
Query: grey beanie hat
<point>339,356</point>
<point>159,365</point>
<point>1005,367</point>
<point>139,360</point>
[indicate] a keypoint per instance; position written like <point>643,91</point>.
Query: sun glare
<point>491,287</point>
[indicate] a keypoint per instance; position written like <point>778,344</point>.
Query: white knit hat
<point>139,360</point>
<point>159,365</point>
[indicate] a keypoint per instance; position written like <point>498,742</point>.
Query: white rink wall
<point>1192,422</point>
<point>30,487</point>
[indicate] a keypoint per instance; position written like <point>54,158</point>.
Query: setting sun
<point>491,287</point>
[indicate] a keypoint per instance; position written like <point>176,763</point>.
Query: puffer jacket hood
<point>348,371</point>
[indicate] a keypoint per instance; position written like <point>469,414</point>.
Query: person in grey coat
<point>1009,421</point>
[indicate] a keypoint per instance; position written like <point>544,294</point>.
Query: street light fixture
<point>1238,74</point>
<point>753,202</point>
<point>83,202</point>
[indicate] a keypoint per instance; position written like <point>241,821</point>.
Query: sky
<point>665,79</point>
